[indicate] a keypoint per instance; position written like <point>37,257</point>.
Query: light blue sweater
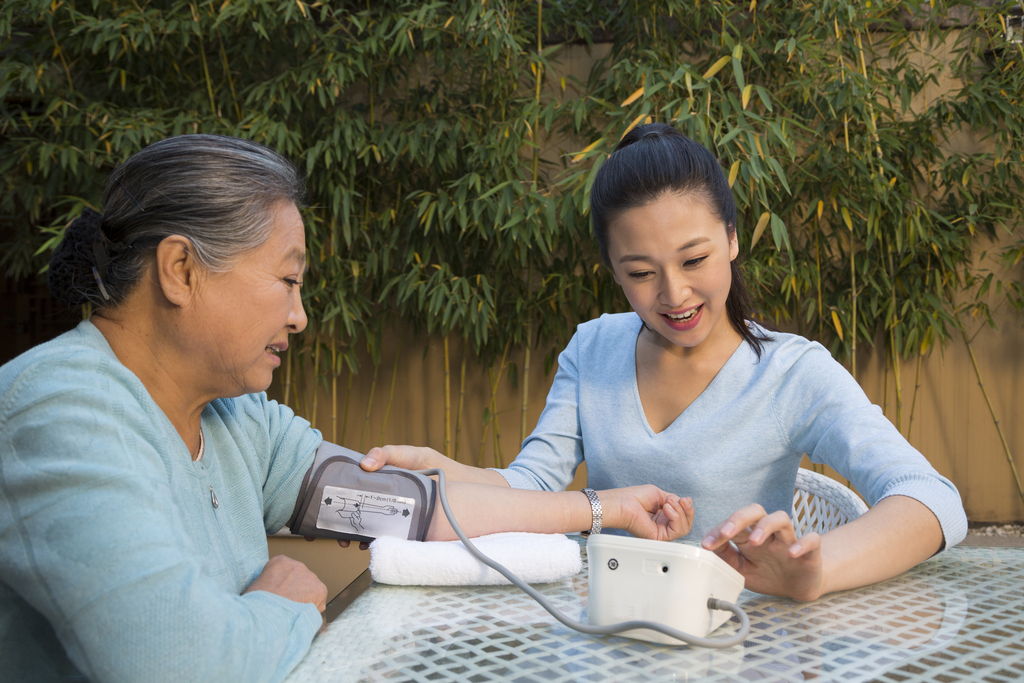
<point>740,442</point>
<point>110,547</point>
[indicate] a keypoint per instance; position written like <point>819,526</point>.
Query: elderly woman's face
<point>247,313</point>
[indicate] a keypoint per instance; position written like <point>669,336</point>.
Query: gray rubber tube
<point>610,629</point>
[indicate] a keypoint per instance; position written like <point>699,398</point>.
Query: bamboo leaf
<point>716,67</point>
<point>838,325</point>
<point>780,234</point>
<point>737,67</point>
<point>762,223</point>
<point>846,218</point>
<point>733,172</point>
<point>588,148</point>
<point>633,98</point>
<point>633,125</point>
<point>765,98</point>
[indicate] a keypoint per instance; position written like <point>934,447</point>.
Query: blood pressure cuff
<point>338,499</point>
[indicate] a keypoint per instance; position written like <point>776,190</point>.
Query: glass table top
<point>956,617</point>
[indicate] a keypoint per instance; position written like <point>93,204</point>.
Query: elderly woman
<point>141,464</point>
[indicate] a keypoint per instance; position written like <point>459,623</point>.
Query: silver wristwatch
<point>595,509</point>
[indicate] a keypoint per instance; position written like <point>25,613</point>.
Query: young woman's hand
<point>765,550</point>
<point>647,512</point>
<point>406,457</point>
<point>422,458</point>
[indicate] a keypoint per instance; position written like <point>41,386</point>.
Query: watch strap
<point>595,509</point>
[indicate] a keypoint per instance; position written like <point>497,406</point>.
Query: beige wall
<point>953,426</point>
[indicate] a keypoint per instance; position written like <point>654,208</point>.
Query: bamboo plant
<point>448,164</point>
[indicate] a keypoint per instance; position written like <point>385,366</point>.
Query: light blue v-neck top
<point>740,442</point>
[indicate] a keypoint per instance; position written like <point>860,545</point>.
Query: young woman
<point>688,392</point>
<point>141,463</point>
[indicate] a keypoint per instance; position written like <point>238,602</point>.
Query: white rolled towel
<point>535,558</point>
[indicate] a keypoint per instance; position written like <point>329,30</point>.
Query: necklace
<point>202,445</point>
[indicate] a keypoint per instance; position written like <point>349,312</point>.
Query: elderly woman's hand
<point>290,579</point>
<point>647,512</point>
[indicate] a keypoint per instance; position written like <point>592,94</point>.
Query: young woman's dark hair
<point>654,159</point>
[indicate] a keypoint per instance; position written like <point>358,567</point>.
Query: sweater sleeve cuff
<point>943,501</point>
<point>306,618</point>
<point>517,479</point>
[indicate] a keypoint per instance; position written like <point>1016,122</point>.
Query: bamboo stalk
<point>495,427</point>
<point>348,402</point>
<point>391,393</point>
<point>524,404</point>
<point>299,384</point>
<point>227,72</point>
<point>853,294</point>
<point>202,57</point>
<point>493,420</point>
<point>369,408</point>
<point>447,402</point>
<point>894,351</point>
<point>920,357</point>
<point>536,95</point>
<point>299,379</point>
<point>796,312</point>
<point>334,392</point>
<point>487,424</point>
<point>458,412</point>
<point>493,386</point>
<point>885,389</point>
<point>992,411</point>
<point>871,108</point>
<point>314,391</point>
<point>59,51</point>
<point>287,376</point>
<point>536,158</point>
<point>499,459</point>
<point>913,402</point>
<point>896,380</point>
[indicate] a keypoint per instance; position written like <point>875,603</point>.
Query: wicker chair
<point>821,504</point>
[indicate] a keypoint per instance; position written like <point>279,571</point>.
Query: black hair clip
<point>102,258</point>
<point>99,281</point>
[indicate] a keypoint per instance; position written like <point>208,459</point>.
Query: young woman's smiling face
<point>672,259</point>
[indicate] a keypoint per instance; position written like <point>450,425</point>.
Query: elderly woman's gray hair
<point>219,192</point>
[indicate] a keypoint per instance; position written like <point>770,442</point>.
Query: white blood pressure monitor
<point>670,583</point>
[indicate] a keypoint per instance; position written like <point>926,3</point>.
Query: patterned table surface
<point>956,617</point>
